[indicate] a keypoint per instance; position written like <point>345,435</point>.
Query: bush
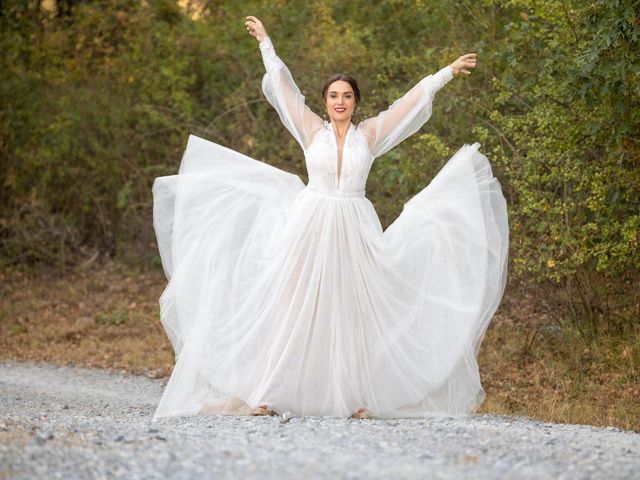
<point>99,98</point>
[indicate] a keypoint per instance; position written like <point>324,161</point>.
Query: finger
<point>465,71</point>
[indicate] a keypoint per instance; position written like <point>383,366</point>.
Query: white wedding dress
<point>294,296</point>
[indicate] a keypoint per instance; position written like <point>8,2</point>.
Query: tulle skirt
<point>283,295</point>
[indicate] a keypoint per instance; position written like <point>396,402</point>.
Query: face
<point>341,101</point>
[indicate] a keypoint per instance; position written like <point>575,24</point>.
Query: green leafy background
<point>99,97</point>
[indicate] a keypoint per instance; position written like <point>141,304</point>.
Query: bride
<point>290,297</point>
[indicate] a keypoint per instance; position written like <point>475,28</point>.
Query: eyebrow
<point>335,91</point>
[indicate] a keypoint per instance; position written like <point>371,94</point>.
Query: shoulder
<point>367,127</point>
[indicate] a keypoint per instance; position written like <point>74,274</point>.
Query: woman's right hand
<point>256,28</point>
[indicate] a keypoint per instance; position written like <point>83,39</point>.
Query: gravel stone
<point>76,423</point>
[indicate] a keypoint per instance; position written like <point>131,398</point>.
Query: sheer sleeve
<point>406,115</point>
<point>283,94</point>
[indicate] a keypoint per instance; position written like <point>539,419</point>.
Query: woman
<point>286,297</point>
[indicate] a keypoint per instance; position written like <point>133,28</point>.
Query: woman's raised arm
<point>281,90</point>
<point>406,115</point>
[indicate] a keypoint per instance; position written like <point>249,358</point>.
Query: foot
<point>263,411</point>
<point>362,414</point>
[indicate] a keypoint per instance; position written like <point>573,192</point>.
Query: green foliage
<point>565,111</point>
<point>99,98</point>
<point>117,317</point>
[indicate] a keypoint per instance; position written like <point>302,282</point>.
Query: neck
<point>341,127</point>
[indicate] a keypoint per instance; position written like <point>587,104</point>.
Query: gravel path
<point>68,422</point>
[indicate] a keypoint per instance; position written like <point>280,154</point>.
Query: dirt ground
<point>107,316</point>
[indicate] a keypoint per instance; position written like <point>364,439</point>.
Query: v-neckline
<point>340,153</point>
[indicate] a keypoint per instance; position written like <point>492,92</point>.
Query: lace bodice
<point>363,143</point>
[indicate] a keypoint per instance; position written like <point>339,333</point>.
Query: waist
<point>334,193</point>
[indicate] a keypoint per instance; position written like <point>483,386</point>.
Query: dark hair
<point>347,78</point>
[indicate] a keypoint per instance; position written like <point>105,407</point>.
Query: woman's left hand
<point>461,64</point>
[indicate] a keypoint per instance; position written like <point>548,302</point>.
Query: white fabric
<point>294,296</point>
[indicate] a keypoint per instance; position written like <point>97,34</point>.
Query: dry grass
<point>107,317</point>
<point>532,366</point>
